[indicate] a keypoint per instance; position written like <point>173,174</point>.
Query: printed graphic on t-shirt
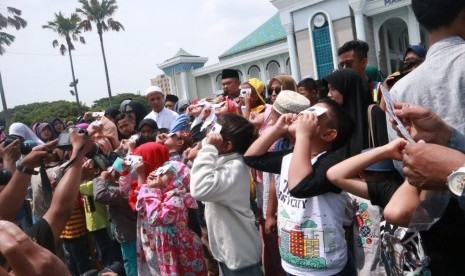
<point>364,225</point>
<point>302,244</point>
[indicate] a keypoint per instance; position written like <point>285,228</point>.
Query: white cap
<point>153,89</point>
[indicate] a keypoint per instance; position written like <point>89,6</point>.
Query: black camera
<point>64,142</point>
<point>26,146</point>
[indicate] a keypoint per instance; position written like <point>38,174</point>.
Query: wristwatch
<point>456,182</point>
<point>23,169</point>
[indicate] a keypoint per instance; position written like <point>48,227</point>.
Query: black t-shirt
<point>444,242</point>
<point>381,192</point>
<point>313,184</point>
<point>42,234</point>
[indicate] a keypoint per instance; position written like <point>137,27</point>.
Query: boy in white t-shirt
<point>310,208</point>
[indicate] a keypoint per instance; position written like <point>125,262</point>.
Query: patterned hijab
<point>181,177</point>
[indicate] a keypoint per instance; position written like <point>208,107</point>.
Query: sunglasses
<point>276,90</point>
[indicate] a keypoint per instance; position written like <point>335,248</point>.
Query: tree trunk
<point>104,63</point>
<point>5,109</point>
<point>74,82</point>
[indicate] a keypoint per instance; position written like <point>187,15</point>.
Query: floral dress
<point>164,228</point>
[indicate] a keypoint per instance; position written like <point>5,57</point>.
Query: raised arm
<point>306,126</point>
<point>345,174</point>
<point>12,197</point>
<point>264,142</point>
<point>67,189</point>
<point>402,205</point>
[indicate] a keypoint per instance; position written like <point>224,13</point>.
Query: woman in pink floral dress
<point>163,204</point>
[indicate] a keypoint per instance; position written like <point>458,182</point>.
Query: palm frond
<point>115,25</point>
<point>14,11</point>
<point>55,43</point>
<point>85,25</point>
<point>104,26</point>
<point>6,38</point>
<point>82,40</point>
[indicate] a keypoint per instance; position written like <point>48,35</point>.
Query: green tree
<point>102,104</point>
<point>67,27</point>
<point>13,20</point>
<point>98,12</point>
<point>38,112</point>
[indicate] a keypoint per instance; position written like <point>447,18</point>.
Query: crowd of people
<point>348,175</point>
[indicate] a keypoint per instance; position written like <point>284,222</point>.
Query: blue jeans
<point>129,251</point>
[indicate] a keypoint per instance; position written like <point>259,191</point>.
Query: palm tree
<point>97,12</point>
<point>69,29</point>
<point>17,22</point>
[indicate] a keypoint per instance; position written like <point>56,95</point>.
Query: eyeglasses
<point>276,89</point>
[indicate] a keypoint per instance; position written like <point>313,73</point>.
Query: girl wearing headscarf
<point>280,83</point>
<point>136,111</point>
<point>153,156</point>
<point>163,204</point>
<point>57,126</point>
<point>43,131</point>
<point>24,131</point>
<point>181,106</point>
<point>148,128</point>
<point>347,88</point>
<point>254,102</point>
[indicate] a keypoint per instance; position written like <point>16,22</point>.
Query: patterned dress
<point>168,245</point>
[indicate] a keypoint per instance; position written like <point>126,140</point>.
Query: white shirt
<point>311,237</point>
<point>437,84</point>
<point>164,118</point>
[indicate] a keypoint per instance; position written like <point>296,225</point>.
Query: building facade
<point>162,81</point>
<point>302,40</point>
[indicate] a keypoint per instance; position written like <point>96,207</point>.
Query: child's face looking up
<point>159,181</point>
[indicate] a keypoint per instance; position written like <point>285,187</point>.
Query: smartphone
<point>245,91</point>
<point>98,114</point>
<point>131,160</point>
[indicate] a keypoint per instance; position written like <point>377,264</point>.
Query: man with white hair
<point>156,100</point>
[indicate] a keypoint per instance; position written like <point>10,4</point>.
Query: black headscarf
<point>355,101</point>
<point>150,122</point>
<point>52,122</point>
<point>139,111</point>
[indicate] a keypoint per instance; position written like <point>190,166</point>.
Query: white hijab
<point>25,132</point>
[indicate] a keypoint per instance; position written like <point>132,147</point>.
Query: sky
<point>33,71</point>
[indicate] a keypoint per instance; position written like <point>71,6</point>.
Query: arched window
<point>288,67</point>
<point>322,45</point>
<point>272,69</point>
<point>218,82</point>
<point>254,72</point>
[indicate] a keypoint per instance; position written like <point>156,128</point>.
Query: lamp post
<point>75,93</point>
